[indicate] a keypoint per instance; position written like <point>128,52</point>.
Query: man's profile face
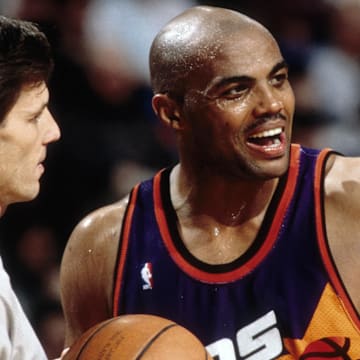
<point>25,132</point>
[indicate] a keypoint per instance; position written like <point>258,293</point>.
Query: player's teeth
<point>275,144</point>
<point>267,133</point>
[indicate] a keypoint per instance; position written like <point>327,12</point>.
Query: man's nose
<point>52,131</point>
<point>267,101</point>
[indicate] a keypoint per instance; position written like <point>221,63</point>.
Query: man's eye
<point>235,91</point>
<point>36,118</point>
<point>279,79</point>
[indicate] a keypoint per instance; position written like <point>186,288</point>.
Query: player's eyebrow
<point>38,111</point>
<point>220,82</point>
<point>279,66</point>
<point>223,81</point>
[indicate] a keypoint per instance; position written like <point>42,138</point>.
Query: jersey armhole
<point>327,258</point>
<point>122,249</point>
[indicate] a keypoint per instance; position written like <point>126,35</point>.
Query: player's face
<point>239,109</point>
<point>24,135</point>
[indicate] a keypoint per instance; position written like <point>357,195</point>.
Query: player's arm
<point>87,269</point>
<point>342,209</point>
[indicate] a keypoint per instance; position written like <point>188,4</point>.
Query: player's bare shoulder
<point>343,177</point>
<point>87,268</point>
<point>98,231</point>
<point>342,193</point>
<point>342,208</point>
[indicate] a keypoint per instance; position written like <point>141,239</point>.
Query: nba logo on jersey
<point>147,277</point>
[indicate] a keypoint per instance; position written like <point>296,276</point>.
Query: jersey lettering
<point>222,349</point>
<point>260,340</point>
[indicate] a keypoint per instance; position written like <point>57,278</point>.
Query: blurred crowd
<point>101,98</point>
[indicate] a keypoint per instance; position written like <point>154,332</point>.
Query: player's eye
<point>235,91</point>
<point>279,79</point>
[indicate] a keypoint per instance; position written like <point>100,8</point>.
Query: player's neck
<point>228,203</point>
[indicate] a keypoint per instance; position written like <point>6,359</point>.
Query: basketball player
<point>26,129</point>
<point>250,242</point>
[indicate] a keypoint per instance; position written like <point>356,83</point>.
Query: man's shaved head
<point>190,40</point>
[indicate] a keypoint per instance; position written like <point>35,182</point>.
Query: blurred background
<point>101,98</point>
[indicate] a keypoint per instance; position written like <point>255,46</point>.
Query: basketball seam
<point>152,340</point>
<point>91,336</point>
<point>143,351</point>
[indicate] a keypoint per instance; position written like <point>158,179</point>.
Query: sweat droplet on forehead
<point>185,45</point>
<point>184,32</point>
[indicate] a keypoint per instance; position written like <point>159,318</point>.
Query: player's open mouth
<point>270,141</point>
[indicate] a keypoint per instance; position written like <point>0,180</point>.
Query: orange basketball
<point>142,337</point>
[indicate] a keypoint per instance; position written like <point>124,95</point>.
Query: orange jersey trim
<point>123,248</point>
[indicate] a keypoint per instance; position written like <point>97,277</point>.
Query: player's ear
<point>167,110</point>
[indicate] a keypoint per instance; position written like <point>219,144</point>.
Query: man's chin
<point>275,169</point>
<point>28,195</point>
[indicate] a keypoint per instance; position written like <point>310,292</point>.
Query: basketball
<point>142,337</point>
